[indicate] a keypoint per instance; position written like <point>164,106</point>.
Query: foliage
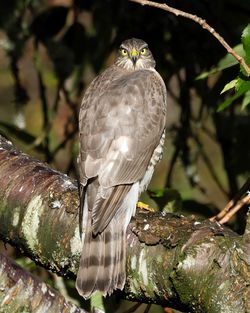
<point>241,84</point>
<point>54,51</point>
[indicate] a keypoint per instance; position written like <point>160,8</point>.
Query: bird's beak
<point>134,56</point>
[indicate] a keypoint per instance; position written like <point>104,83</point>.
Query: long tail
<point>103,260</point>
<point>102,264</point>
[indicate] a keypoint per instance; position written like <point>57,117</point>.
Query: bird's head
<point>134,54</point>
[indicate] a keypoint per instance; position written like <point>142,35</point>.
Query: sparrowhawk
<point>121,123</point>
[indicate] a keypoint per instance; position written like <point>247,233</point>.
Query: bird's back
<point>122,121</point>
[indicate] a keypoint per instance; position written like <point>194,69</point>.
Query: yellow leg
<point>144,206</point>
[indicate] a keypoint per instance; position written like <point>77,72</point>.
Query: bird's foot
<point>144,206</point>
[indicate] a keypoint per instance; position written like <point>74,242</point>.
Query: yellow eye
<point>124,52</point>
<point>143,51</point>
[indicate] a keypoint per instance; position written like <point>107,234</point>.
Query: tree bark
<point>21,292</point>
<point>188,264</point>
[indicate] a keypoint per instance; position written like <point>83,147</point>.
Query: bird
<point>122,122</point>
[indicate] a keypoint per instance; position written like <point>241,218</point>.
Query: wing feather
<point>122,118</point>
<point>105,209</point>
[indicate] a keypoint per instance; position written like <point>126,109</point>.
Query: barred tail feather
<point>103,260</point>
<point>102,264</point>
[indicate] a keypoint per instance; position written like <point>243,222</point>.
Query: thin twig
<point>234,205</point>
<point>230,209</point>
<point>200,21</point>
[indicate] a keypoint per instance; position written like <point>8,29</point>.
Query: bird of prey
<point>122,128</point>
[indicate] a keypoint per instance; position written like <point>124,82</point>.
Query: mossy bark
<point>197,266</point>
<point>192,265</point>
<point>21,292</point>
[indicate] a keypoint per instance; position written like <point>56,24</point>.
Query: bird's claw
<point>144,206</point>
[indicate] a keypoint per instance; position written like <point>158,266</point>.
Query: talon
<point>144,206</point>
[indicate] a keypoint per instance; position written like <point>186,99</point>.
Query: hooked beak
<point>134,56</point>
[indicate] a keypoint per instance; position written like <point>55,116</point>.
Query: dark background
<point>51,50</point>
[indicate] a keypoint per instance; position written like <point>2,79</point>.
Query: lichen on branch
<point>182,262</point>
<point>22,292</point>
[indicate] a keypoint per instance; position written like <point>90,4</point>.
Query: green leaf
<point>204,75</point>
<point>227,61</point>
<point>229,85</point>
<point>230,100</point>
<point>245,38</point>
<point>246,100</point>
<point>241,87</point>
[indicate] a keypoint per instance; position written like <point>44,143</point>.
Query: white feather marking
<point>129,203</point>
<point>146,179</point>
<point>111,157</point>
<point>128,110</point>
<point>123,144</point>
<point>84,217</point>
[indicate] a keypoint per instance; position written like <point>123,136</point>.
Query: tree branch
<point>21,292</point>
<point>174,261</point>
<point>200,21</point>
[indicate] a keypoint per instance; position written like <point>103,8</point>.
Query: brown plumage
<point>122,122</point>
